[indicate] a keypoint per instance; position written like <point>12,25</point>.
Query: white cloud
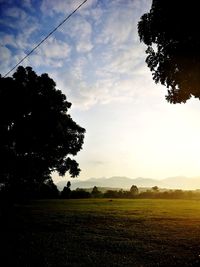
<point>10,61</point>
<point>114,31</point>
<point>77,69</point>
<point>65,7</point>
<point>107,89</point>
<point>102,71</point>
<point>7,39</point>
<point>21,41</point>
<point>54,49</point>
<point>84,46</point>
<point>54,53</point>
<point>24,26</point>
<point>96,14</point>
<point>119,22</point>
<point>125,61</point>
<point>5,56</point>
<point>50,6</point>
<point>80,30</point>
<point>15,12</point>
<point>17,18</point>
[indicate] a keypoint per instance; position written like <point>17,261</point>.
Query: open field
<point>101,232</point>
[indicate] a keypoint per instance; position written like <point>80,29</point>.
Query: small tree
<point>38,136</point>
<point>95,192</point>
<point>155,188</point>
<point>66,192</point>
<point>134,190</point>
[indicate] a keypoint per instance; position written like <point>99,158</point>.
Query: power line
<point>55,29</point>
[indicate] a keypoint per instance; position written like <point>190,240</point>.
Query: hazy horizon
<point>79,178</point>
<point>118,182</point>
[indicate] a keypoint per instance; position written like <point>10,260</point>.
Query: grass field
<point>101,232</point>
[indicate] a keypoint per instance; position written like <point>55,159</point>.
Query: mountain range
<point>178,182</point>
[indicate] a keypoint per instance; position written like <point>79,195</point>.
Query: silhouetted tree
<point>121,193</point>
<point>80,193</point>
<point>37,133</point>
<point>111,194</point>
<point>95,192</point>
<point>134,190</point>
<point>68,184</point>
<point>48,190</point>
<point>155,188</point>
<point>66,192</point>
<point>171,32</point>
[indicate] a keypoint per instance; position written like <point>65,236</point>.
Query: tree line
<point>49,190</point>
<point>134,192</point>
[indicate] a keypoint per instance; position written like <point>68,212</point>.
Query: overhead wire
<point>44,39</point>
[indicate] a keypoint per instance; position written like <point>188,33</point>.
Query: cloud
<point>117,28</point>
<point>50,7</point>
<point>119,22</point>
<point>5,56</point>
<point>17,27</point>
<point>77,69</point>
<point>20,41</point>
<point>7,39</point>
<point>95,14</point>
<point>79,30</point>
<point>10,60</point>
<point>16,18</point>
<point>15,12</point>
<point>95,57</point>
<point>125,61</point>
<point>65,7</point>
<point>104,90</point>
<point>52,54</point>
<point>55,49</point>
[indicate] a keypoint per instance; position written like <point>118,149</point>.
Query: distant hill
<point>178,182</point>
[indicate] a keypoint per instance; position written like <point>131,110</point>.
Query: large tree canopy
<point>171,32</point>
<point>37,135</point>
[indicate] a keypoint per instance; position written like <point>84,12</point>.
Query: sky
<point>97,60</point>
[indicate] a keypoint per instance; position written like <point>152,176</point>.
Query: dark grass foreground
<point>102,233</point>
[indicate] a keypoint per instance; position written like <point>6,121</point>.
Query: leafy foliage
<point>37,133</point>
<point>134,190</point>
<point>171,32</point>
